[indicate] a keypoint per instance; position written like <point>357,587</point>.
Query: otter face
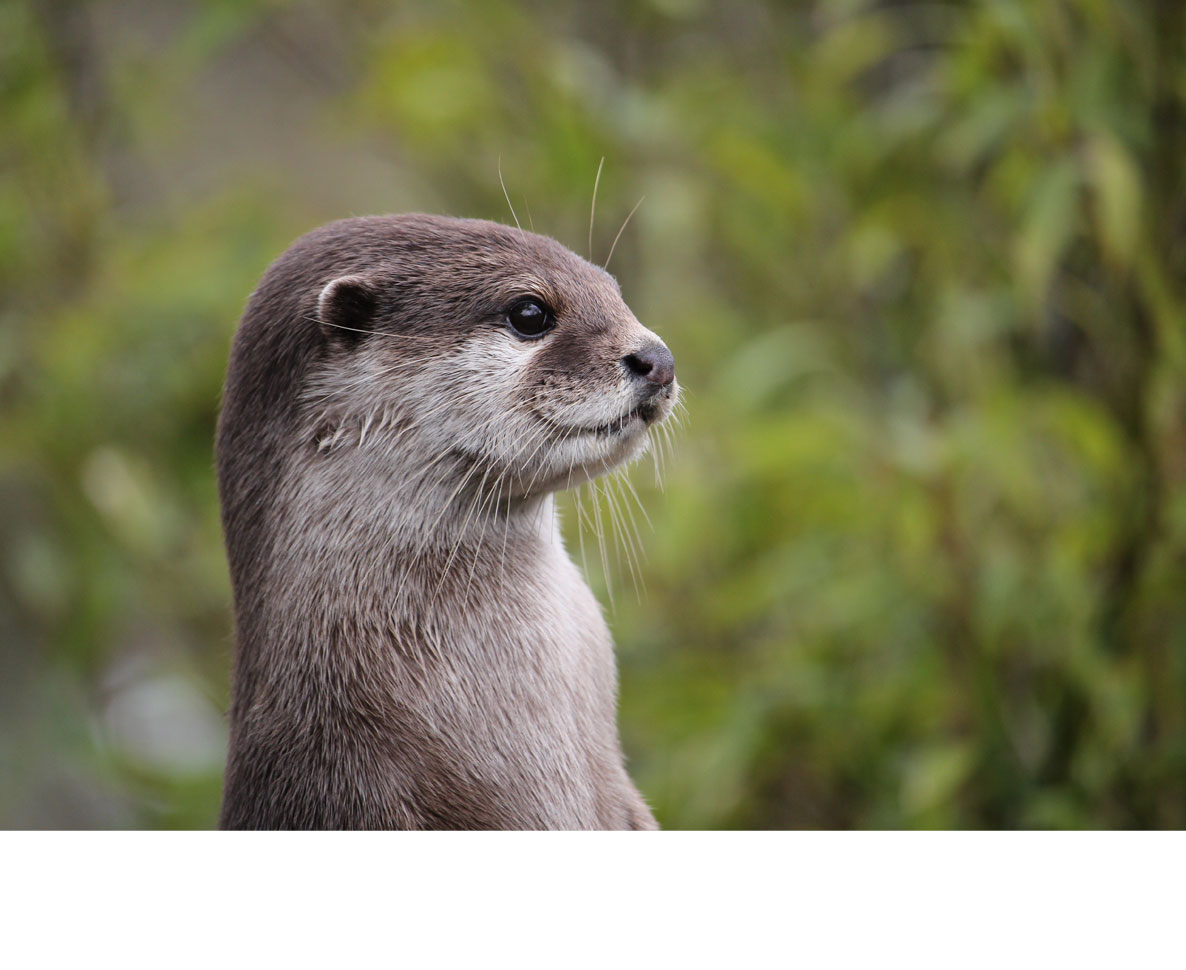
<point>471,344</point>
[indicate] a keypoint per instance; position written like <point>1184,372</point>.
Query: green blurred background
<point>920,556</point>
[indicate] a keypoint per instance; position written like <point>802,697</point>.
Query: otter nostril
<point>654,363</point>
<point>637,365</point>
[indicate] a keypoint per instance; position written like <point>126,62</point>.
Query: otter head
<point>468,347</point>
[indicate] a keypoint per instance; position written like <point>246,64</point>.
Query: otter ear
<point>346,309</point>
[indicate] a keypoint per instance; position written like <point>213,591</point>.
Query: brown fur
<point>414,649</point>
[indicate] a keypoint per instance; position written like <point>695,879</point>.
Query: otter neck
<point>361,544</point>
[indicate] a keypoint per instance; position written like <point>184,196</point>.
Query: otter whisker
<point>624,478</point>
<point>507,195</point>
<point>461,536</point>
<point>580,528</point>
<point>622,537</point>
<point>373,333</point>
<point>593,207</point>
<point>490,506</point>
<point>582,522</point>
<point>445,508</point>
<point>623,483</point>
<point>614,245</point>
<point>450,449</point>
<point>531,457</point>
<point>485,512</point>
<point>601,541</point>
<point>627,515</point>
<point>630,527</point>
<point>504,480</point>
<point>539,436</point>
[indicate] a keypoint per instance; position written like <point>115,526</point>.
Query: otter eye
<point>530,318</point>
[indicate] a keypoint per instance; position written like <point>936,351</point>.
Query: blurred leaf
<point>1118,197</point>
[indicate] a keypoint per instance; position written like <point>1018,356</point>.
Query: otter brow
<point>529,288</point>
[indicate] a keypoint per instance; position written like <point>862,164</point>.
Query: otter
<point>414,649</point>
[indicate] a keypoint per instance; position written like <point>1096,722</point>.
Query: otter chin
<point>414,648</point>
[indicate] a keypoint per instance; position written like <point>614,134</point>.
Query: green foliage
<point>920,552</point>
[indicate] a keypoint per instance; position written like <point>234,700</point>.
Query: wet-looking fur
<point>414,648</point>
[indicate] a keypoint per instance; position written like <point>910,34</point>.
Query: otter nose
<point>653,363</point>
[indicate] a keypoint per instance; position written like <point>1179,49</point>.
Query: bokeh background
<point>920,555</point>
